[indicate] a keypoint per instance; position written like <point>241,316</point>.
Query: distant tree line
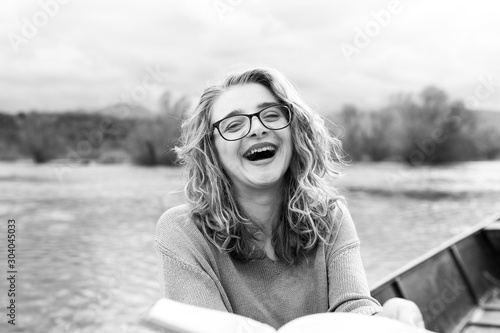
<point>114,136</point>
<point>428,130</point>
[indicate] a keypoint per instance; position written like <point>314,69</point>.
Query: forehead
<point>245,98</point>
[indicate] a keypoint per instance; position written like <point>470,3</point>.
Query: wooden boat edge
<point>494,218</point>
<point>463,260</point>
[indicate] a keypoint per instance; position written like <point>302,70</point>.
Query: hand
<point>403,310</point>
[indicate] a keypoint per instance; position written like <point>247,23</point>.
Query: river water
<point>84,251</point>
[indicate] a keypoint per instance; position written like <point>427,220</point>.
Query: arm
<point>186,283</point>
<point>186,266</point>
<point>347,285</point>
<point>197,295</point>
<point>346,272</point>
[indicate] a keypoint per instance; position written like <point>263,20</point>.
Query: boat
<point>457,285</point>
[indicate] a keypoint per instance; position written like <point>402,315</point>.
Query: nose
<point>257,128</point>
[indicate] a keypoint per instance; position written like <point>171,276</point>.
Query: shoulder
<point>174,215</point>
<point>343,233</point>
<point>178,235</point>
<point>341,217</point>
<point>172,221</point>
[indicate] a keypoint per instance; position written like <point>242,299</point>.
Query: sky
<point>59,55</point>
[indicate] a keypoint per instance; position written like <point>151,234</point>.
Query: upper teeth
<point>258,150</point>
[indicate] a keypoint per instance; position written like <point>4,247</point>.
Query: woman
<point>265,234</point>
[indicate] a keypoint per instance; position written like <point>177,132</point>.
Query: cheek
<point>289,142</point>
<point>227,152</point>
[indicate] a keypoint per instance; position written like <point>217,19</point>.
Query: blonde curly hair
<point>309,199</point>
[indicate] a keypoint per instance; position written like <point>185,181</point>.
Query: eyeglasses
<point>274,117</point>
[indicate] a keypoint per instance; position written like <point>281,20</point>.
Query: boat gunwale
<point>445,246</point>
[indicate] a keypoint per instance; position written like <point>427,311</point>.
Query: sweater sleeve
<point>185,283</point>
<point>347,284</point>
<point>186,271</point>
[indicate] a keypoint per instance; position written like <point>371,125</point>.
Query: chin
<point>267,179</point>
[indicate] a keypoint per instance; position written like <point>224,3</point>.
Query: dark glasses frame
<point>250,116</point>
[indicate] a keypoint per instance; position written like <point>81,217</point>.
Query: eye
<point>272,114</point>
<point>233,124</point>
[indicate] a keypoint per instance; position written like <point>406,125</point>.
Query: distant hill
<point>126,111</point>
<point>120,110</point>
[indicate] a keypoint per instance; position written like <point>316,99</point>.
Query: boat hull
<point>456,286</point>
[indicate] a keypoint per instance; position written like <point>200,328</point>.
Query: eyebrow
<point>259,106</point>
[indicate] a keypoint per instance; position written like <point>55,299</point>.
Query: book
<point>183,318</point>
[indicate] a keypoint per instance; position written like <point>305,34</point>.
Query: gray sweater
<point>193,271</point>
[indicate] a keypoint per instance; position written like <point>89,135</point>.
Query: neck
<point>263,207</point>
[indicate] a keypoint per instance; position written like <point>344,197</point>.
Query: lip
<point>260,145</point>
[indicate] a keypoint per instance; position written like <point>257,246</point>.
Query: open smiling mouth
<point>261,153</point>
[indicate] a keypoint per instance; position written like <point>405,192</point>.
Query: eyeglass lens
<point>236,127</point>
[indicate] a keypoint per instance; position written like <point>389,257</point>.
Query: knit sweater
<point>194,271</point>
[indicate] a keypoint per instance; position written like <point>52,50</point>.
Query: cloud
<point>92,51</point>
